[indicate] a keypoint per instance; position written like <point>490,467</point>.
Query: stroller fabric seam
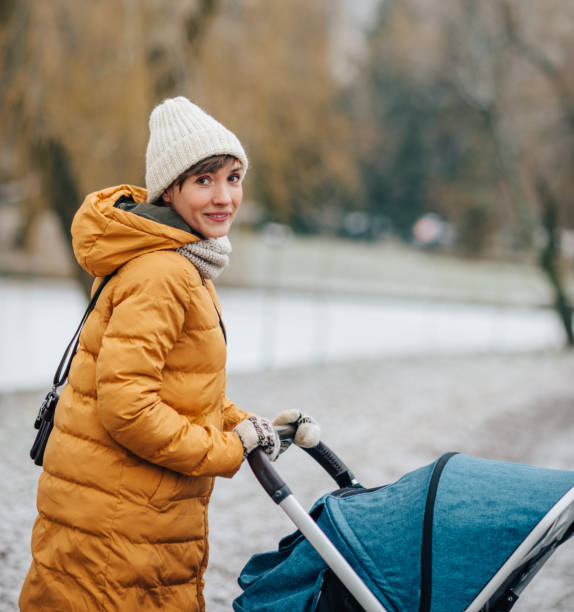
<point>426,547</point>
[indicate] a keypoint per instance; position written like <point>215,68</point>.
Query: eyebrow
<point>236,168</point>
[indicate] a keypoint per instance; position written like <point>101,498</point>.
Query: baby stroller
<point>461,534</point>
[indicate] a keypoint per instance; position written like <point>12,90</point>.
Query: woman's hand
<point>308,432</point>
<point>256,431</point>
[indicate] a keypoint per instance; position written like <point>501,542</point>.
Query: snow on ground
<point>383,417</point>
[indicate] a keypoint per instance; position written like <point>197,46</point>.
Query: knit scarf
<point>209,256</point>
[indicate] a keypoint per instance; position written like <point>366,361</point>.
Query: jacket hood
<point>115,225</point>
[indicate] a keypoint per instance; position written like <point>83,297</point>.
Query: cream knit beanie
<point>182,134</point>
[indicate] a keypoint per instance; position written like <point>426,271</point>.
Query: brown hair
<point>209,164</point>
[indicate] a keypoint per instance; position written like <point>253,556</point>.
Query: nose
<point>222,195</point>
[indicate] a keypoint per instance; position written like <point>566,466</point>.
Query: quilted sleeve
<point>232,415</point>
<point>149,307</point>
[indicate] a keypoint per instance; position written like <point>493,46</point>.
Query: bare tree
<point>479,65</point>
<point>550,258</point>
<point>558,79</point>
<point>76,98</point>
<point>282,97</point>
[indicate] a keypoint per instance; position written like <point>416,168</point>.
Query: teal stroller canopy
<point>431,541</point>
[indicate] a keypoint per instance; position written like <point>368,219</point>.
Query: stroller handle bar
<point>282,495</point>
<point>323,455</point>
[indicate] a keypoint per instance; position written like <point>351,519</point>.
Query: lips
<point>218,217</point>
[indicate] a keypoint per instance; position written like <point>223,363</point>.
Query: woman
<point>143,425</point>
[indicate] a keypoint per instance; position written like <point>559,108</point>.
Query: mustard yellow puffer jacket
<point>141,428</point>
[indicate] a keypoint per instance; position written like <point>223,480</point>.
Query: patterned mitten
<point>256,431</point>
<point>308,433</point>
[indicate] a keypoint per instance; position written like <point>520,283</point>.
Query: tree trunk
<point>550,256</point>
<point>61,192</point>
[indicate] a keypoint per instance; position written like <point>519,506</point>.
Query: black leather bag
<point>44,423</point>
<point>45,419</point>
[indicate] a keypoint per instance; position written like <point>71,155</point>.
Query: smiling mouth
<point>219,217</point>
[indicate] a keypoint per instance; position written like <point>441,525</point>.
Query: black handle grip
<point>276,488</point>
<point>267,475</point>
<point>333,465</point>
<point>286,432</point>
<point>325,457</point>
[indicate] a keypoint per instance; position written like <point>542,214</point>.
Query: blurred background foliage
<point>449,123</point>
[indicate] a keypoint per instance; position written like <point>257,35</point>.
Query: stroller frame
<point>284,498</point>
<point>499,594</point>
<point>529,557</point>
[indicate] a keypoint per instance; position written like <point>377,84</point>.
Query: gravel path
<point>383,417</point>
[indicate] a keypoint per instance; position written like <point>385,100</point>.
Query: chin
<point>217,234</point>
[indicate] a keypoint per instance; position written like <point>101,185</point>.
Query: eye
<point>235,178</point>
<point>202,180</point>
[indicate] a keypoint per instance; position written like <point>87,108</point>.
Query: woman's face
<point>209,202</point>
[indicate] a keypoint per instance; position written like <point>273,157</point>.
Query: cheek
<point>181,209</point>
<point>189,202</point>
<point>238,196</point>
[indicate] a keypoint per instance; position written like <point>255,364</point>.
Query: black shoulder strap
<point>65,363</point>
<point>426,547</point>
<point>221,324</point>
